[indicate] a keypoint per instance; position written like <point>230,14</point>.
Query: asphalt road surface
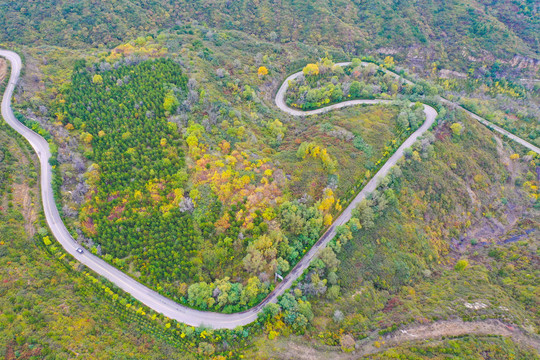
<point>139,291</point>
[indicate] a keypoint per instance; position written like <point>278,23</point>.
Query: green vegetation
<point>325,83</point>
<point>52,308</point>
<point>489,92</point>
<point>467,347</point>
<point>6,170</point>
<point>48,312</point>
<point>372,280</point>
<point>518,116</point>
<point>174,165</point>
<point>448,32</point>
<point>181,226</point>
<point>138,164</point>
<point>393,271</point>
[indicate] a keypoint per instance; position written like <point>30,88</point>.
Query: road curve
<point>280,102</point>
<point>142,293</point>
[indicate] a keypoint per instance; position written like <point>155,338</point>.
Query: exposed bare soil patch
<point>21,196</point>
<point>506,218</point>
<point>3,70</point>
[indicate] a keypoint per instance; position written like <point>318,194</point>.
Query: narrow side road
<point>489,124</point>
<point>142,293</point>
<point>492,126</point>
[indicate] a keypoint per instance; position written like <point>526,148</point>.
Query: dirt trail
<point>410,335</point>
<point>450,328</point>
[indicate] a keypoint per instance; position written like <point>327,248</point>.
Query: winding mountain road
<point>139,291</point>
<point>483,121</point>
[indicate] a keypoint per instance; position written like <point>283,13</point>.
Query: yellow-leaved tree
<point>262,71</point>
<point>389,62</point>
<point>97,79</point>
<point>311,69</point>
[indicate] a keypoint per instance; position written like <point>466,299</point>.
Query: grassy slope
<point>436,211</point>
<point>403,271</point>
<point>375,124</point>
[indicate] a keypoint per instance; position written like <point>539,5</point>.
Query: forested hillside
<point>172,163</point>
<point>450,31</point>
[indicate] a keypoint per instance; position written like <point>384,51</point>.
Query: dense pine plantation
<point>139,165</point>
<point>47,310</point>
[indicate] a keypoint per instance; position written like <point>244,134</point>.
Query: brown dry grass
<point>3,70</point>
<point>22,196</point>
